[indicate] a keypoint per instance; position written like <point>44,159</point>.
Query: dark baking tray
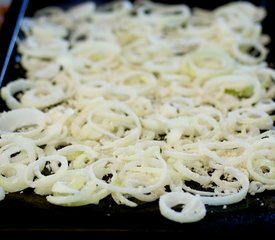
<point>27,213</point>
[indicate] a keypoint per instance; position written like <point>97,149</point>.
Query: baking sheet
<point>27,211</point>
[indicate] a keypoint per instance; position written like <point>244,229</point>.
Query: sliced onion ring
<point>193,209</point>
<point>21,118</point>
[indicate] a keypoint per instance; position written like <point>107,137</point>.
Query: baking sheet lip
<point>10,30</point>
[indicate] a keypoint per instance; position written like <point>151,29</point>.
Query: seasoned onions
<point>143,102</point>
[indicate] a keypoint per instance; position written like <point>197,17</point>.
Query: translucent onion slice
<point>18,149</point>
<point>76,189</point>
<point>208,62</point>
<point>12,177</point>
<point>192,206</point>
<point>234,197</point>
<point>261,166</point>
<point>8,92</point>
<point>79,155</point>
<point>42,95</point>
<point>55,164</point>
<point>24,121</point>
<point>138,187</point>
<point>228,153</point>
<point>240,53</point>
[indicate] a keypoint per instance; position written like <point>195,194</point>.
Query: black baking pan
<point>25,213</point>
